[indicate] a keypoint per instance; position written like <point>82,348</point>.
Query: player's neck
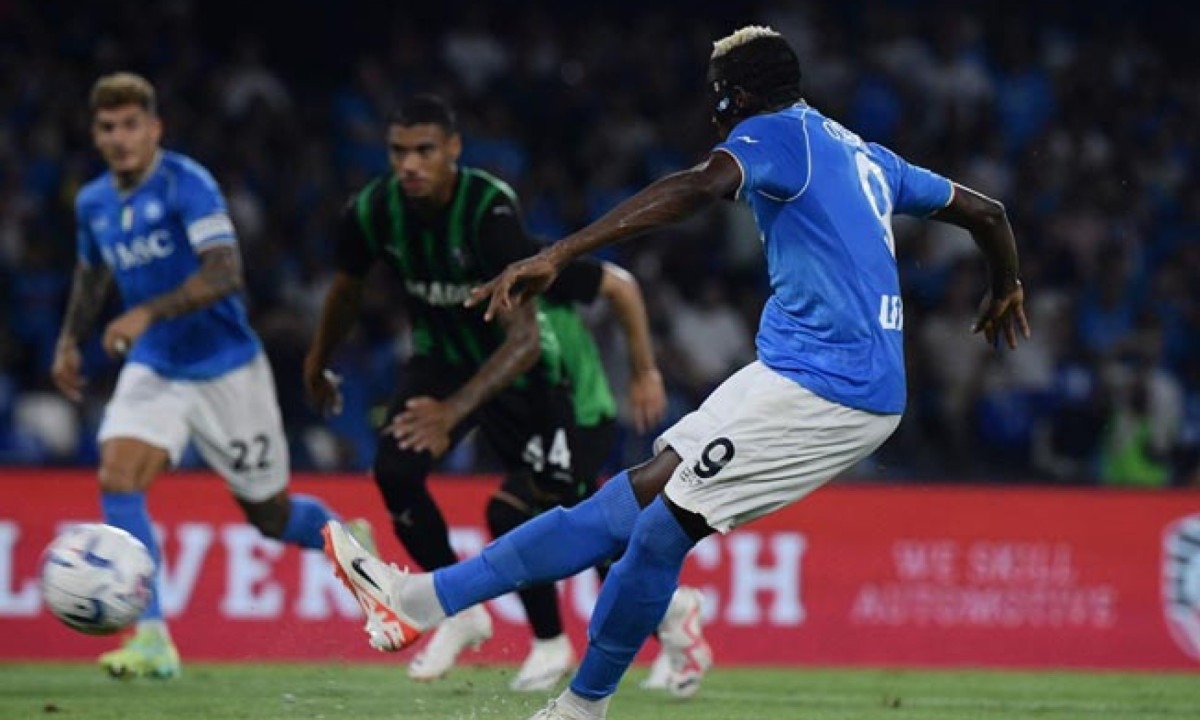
<point>431,206</point>
<point>130,181</point>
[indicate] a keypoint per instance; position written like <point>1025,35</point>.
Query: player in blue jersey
<point>826,390</point>
<point>157,225</point>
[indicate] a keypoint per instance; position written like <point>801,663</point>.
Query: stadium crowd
<point>1086,128</point>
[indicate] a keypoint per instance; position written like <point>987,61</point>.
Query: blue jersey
<point>151,237</point>
<point>823,200</point>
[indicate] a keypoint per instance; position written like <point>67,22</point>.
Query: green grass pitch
<point>60,691</point>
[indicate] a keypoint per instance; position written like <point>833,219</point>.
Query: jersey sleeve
<point>86,248</point>
<point>502,236</point>
<point>202,209</point>
<point>916,191</point>
<point>353,254</point>
<point>773,154</point>
<point>578,282</point>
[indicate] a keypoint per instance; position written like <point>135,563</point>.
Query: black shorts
<point>530,428</point>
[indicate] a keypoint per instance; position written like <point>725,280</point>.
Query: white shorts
<point>234,420</point>
<point>761,441</point>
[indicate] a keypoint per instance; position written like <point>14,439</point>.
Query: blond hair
<point>123,88</point>
<point>741,37</point>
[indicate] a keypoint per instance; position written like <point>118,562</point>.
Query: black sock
<point>540,601</point>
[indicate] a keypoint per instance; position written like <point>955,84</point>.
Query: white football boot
<point>548,662</point>
<point>375,584</point>
<point>470,628</point>
<point>561,708</point>
<point>682,637</point>
<point>660,672</point>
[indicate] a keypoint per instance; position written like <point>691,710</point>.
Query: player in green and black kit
<point>443,229</point>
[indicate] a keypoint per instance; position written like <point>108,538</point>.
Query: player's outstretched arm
<point>647,396</point>
<point>663,202</point>
<point>343,303</point>
<point>426,423</point>
<point>89,291</point>
<point>1002,311</point>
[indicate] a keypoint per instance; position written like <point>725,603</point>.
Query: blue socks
<point>305,520</point>
<point>128,512</point>
<point>633,600</point>
<point>554,545</point>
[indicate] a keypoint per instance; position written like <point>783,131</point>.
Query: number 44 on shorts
<point>536,457</point>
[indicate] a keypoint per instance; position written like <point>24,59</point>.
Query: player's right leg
<point>402,475</point>
<point>554,545</point>
<point>143,432</point>
<point>760,442</point>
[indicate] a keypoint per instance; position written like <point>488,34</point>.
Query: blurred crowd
<point>1086,127</point>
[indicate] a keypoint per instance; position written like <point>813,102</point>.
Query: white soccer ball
<point>97,578</point>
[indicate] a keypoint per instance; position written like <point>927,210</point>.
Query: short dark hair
<point>425,109</point>
<point>760,61</point>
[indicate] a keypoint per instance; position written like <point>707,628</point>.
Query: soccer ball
<point>96,578</point>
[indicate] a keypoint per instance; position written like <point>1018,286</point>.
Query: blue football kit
<point>823,200</point>
<point>151,237</point>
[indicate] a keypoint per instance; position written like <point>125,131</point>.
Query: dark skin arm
<point>343,303</point>
<point>1002,311</point>
<point>426,422</point>
<point>663,202</point>
<point>219,275</point>
<point>89,291</point>
<point>647,396</point>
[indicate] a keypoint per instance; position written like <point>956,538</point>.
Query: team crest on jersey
<point>1181,583</point>
<point>153,210</point>
<point>99,224</point>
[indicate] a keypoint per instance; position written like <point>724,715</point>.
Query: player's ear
<point>454,147</point>
<point>745,104</point>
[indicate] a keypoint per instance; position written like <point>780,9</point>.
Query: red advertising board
<point>855,574</point>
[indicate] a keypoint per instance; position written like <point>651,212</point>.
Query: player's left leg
<point>632,602</point>
<point>144,430</point>
<point>551,656</point>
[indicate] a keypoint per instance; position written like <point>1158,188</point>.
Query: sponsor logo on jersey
<point>139,251</point>
<point>1181,583</point>
<point>438,293</point>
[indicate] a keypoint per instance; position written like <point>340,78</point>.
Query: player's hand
<point>324,388</point>
<point>1003,313</point>
<point>424,426</point>
<point>647,399</point>
<point>67,371</point>
<point>519,281</point>
<point>123,332</point>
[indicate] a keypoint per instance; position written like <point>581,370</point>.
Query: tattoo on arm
<point>89,291</point>
<point>220,274</point>
<point>517,354</point>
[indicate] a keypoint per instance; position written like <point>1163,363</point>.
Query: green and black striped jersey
<point>438,260</point>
